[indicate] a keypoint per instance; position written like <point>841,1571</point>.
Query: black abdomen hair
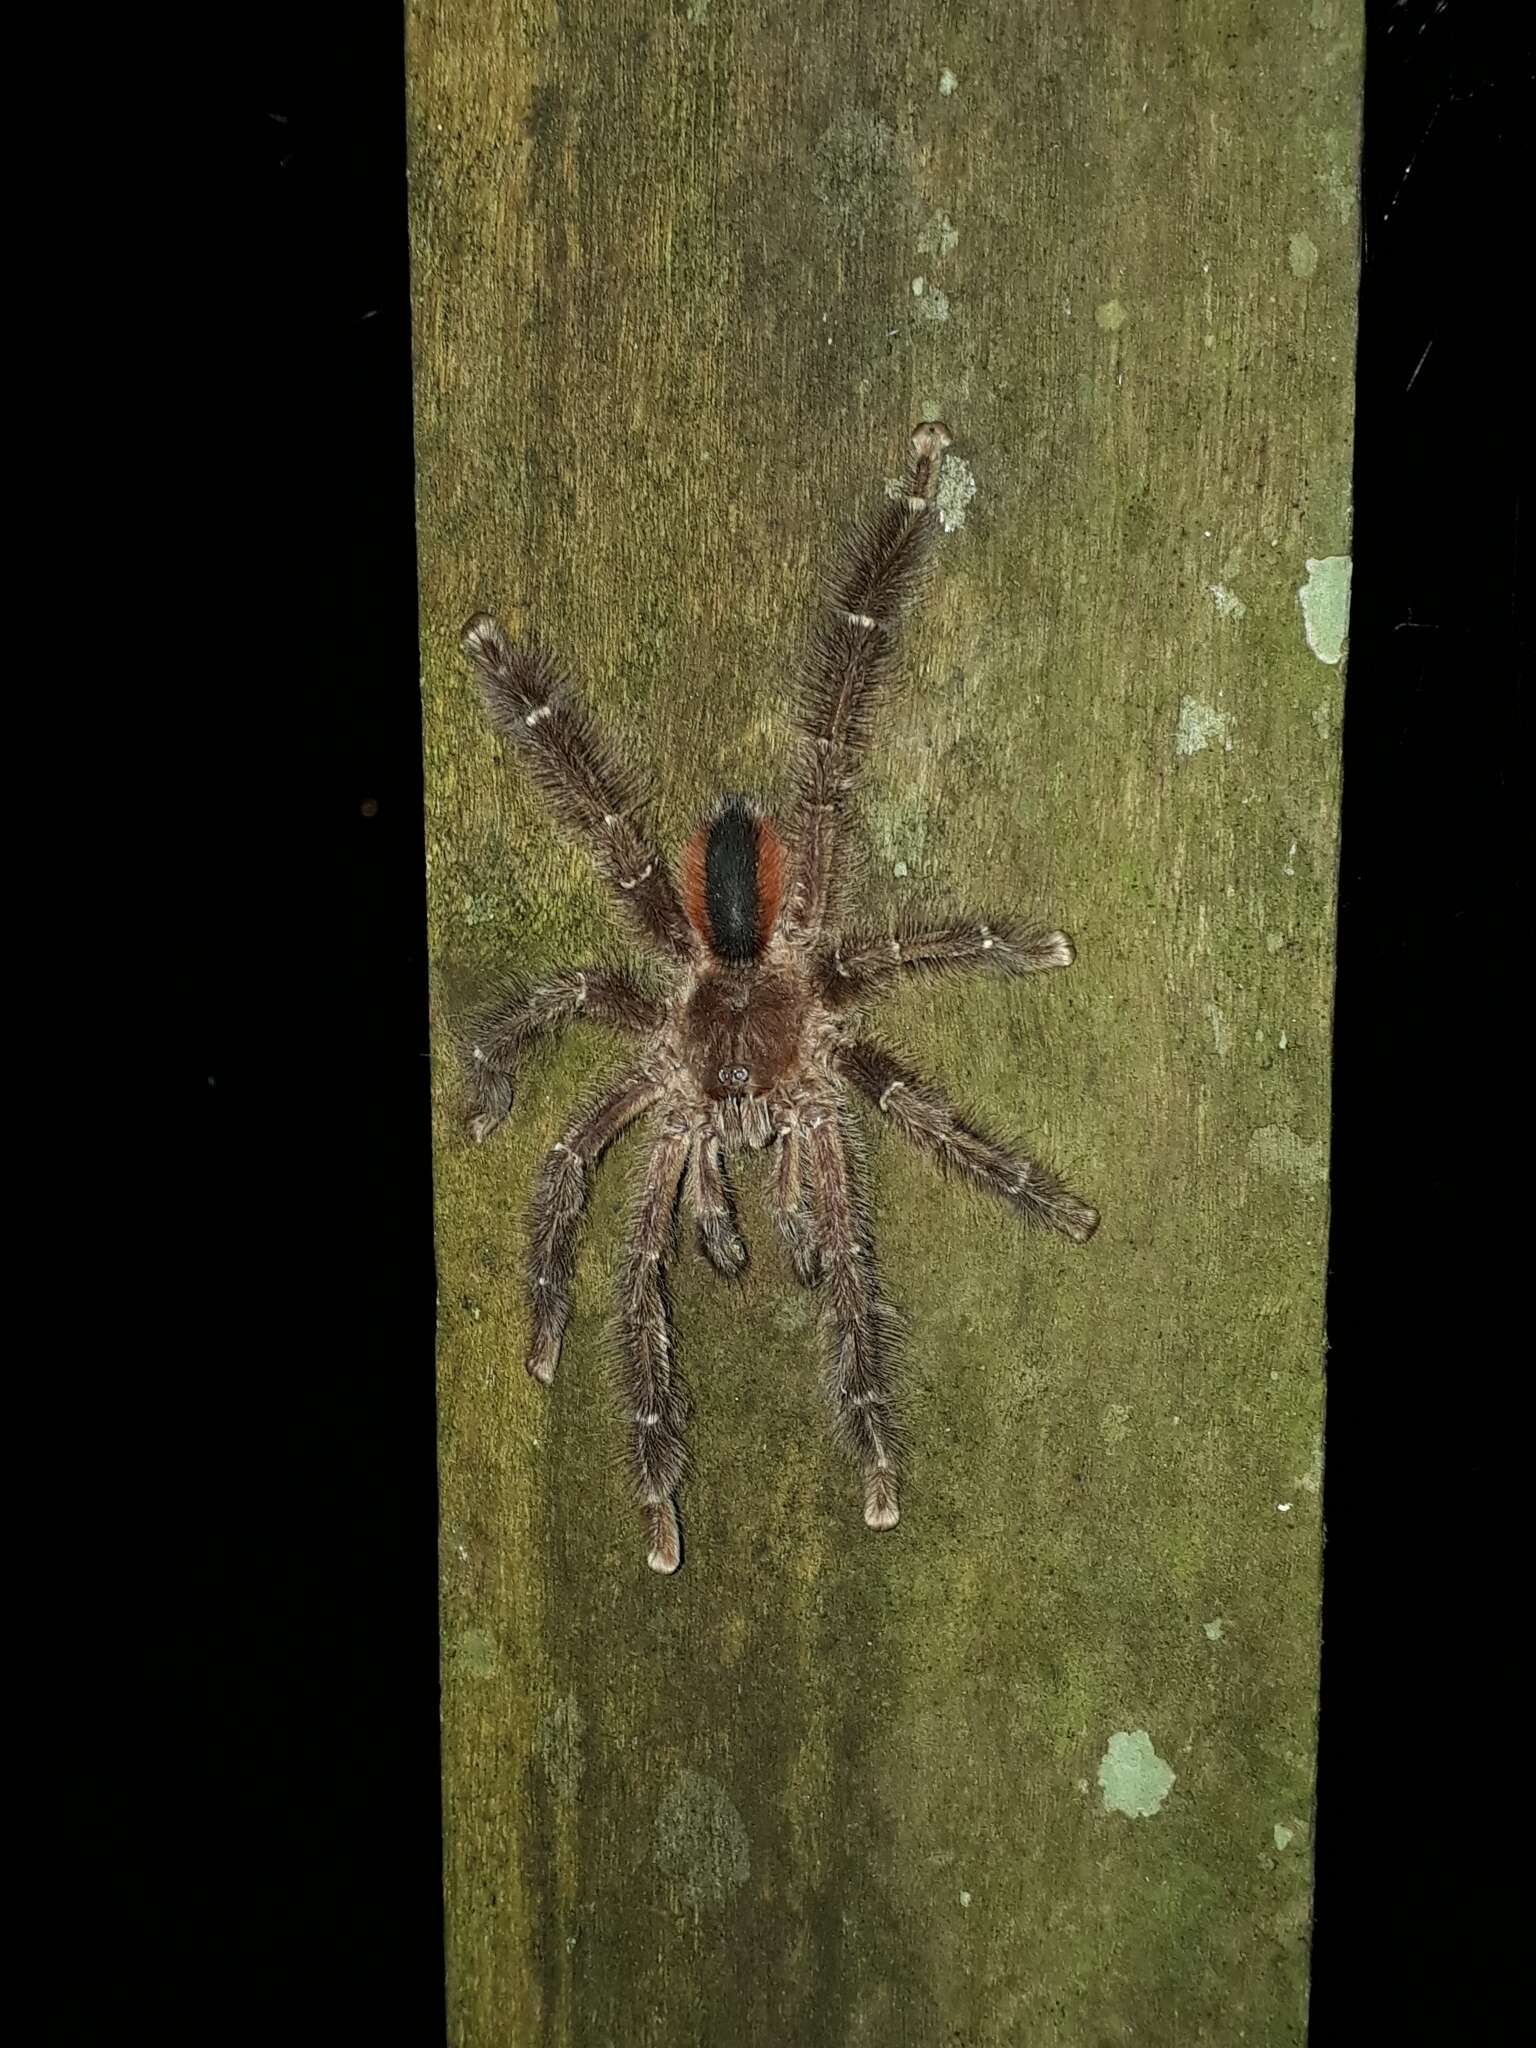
<point>733,881</point>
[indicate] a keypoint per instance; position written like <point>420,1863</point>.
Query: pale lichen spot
<point>1337,174</point>
<point>1228,603</point>
<point>957,487</point>
<point>1218,1024</point>
<point>931,304</point>
<point>475,1652</point>
<point>701,1840</point>
<point>1321,721</point>
<point>1324,599</point>
<point>1284,1836</point>
<point>1278,1150</point>
<point>900,824</point>
<point>1303,255</point>
<point>939,236</point>
<point>855,166</point>
<point>557,1745</point>
<point>1133,1777</point>
<point>1213,1629</point>
<point>1311,1481</point>
<point>1201,726</point>
<point>1111,316</point>
<point>1115,1423</point>
<point>965,1898</point>
<point>948,83</point>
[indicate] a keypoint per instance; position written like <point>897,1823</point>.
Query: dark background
<point>310,1633</point>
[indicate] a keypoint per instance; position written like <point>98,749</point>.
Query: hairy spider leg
<point>709,1197</point>
<point>496,1040</point>
<point>529,701</point>
<point>852,653</point>
<point>648,1382</point>
<point>858,1324</point>
<point>559,1199</point>
<point>862,964</point>
<point>920,1112</point>
<point>791,1203</point>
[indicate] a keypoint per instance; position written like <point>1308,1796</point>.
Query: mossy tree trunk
<point>685,273</point>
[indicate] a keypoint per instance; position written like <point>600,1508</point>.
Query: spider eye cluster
<point>734,1077</point>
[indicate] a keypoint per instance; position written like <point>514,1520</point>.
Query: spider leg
<point>858,1322</point>
<point>791,1203</point>
<point>709,1197</point>
<point>920,1112</point>
<point>559,1199</point>
<point>853,651</point>
<point>652,1396</point>
<point>495,1042</point>
<point>530,703</point>
<point>862,963</point>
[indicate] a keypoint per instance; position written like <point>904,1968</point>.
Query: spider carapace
<point>753,1035</point>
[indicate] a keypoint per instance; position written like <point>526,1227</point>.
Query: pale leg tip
<point>1082,1224</point>
<point>664,1551</point>
<point>542,1369</point>
<point>1057,950</point>
<point>880,1509</point>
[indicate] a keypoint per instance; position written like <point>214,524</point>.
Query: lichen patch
<point>701,1840</point>
<point>1133,1777</point>
<point>1324,599</point>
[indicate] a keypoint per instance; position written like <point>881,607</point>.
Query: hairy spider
<point>757,1042</point>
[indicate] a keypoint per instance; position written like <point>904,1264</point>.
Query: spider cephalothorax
<point>757,1041</point>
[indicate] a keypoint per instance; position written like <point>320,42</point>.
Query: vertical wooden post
<point>1038,1766</point>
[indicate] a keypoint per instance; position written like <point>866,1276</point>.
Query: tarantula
<point>757,1043</point>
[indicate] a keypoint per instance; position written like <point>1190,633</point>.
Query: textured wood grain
<point>684,276</point>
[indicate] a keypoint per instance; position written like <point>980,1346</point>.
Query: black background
<point>310,1624</point>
